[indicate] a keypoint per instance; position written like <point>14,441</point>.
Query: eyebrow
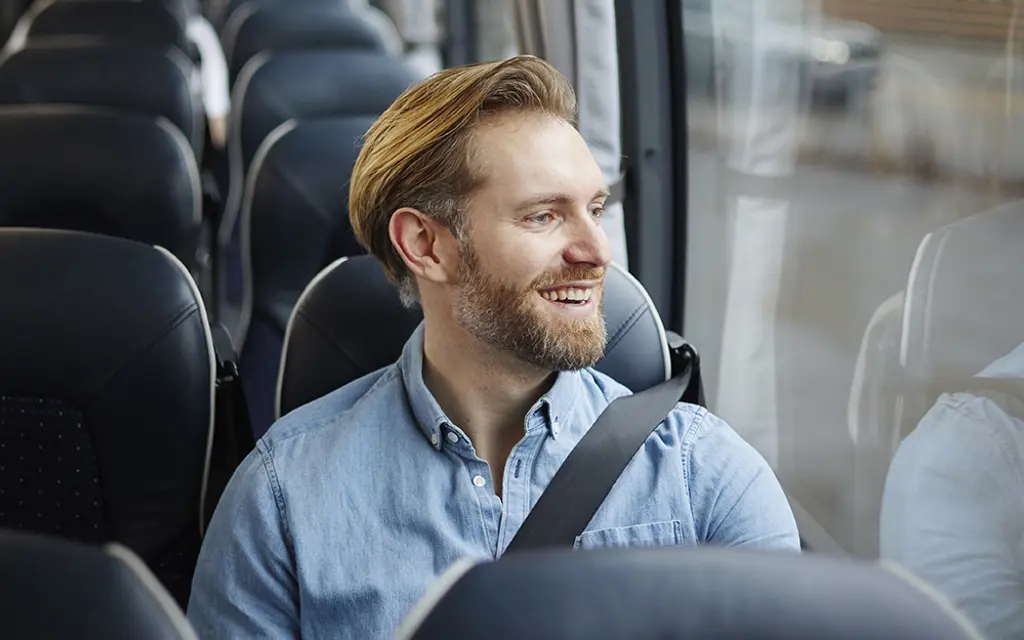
<point>558,198</point>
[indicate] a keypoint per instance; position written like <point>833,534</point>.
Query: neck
<point>485,391</point>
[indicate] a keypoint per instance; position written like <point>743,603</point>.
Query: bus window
<point>854,270</point>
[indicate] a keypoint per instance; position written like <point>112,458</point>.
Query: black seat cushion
<point>148,80</point>
<point>52,588</point>
<point>91,169</point>
<point>672,594</point>
<point>157,24</point>
<point>314,84</point>
<point>306,25</point>
<point>107,381</point>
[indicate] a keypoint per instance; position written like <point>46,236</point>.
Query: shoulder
<point>373,395</point>
<point>961,435</point>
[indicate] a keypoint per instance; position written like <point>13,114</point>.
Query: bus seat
<point>147,80</point>
<point>53,588</point>
<point>294,223</point>
<point>256,27</point>
<point>295,85</point>
<point>674,594</point>
<point>349,322</point>
<point>964,305</point>
<point>155,24</point>
<point>109,172</point>
<point>870,411</point>
<point>106,396</point>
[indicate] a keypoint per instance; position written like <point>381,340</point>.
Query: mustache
<point>569,274</point>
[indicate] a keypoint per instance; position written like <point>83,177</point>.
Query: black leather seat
<point>155,24</point>
<point>673,594</point>
<point>294,223</point>
<point>350,322</point>
<point>301,86</point>
<point>275,88</point>
<point>55,589</point>
<point>103,171</point>
<point>146,80</point>
<point>294,26</point>
<point>106,396</point>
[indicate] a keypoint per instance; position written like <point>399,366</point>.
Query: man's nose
<point>589,243</point>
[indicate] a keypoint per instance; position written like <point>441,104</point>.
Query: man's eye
<point>597,212</point>
<point>542,218</point>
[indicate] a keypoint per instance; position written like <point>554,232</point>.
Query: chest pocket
<point>655,534</point>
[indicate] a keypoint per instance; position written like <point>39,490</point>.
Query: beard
<point>509,317</point>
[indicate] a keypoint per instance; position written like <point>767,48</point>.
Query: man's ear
<point>426,246</point>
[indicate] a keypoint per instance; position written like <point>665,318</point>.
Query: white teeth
<point>581,295</point>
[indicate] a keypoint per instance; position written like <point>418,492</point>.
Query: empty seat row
<point>349,78</point>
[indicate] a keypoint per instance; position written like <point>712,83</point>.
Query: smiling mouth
<point>568,295</point>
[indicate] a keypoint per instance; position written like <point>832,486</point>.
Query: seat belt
<point>587,476</point>
<point>232,432</point>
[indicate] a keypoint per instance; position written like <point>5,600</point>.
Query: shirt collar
<point>551,410</point>
<point>429,415</point>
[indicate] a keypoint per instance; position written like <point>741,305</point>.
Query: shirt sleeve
<point>736,499</point>
<point>951,510</point>
<point>244,584</point>
<point>213,67</point>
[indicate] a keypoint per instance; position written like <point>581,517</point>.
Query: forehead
<point>521,154</point>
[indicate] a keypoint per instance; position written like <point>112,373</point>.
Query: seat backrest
<point>155,24</point>
<point>291,26</point>
<point>350,322</point>
<point>275,88</point>
<point>53,588</point>
<point>147,80</point>
<point>92,169</point>
<point>964,304</point>
<point>106,396</point>
<point>680,593</point>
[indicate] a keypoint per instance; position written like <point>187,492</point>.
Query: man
<point>483,203</point>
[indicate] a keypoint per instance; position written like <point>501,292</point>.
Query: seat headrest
<point>280,27</point>
<point>148,80</point>
<point>295,214</point>
<point>54,588</point>
<point>155,24</point>
<point>275,88</point>
<point>350,322</point>
<point>92,169</point>
<point>965,297</point>
<point>679,593</point>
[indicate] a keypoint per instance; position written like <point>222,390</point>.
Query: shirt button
<point>555,427</point>
<point>453,437</point>
<point>434,439</point>
<point>479,481</point>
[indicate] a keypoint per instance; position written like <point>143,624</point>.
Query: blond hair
<point>418,153</point>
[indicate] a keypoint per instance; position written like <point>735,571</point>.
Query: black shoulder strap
<point>232,432</point>
<point>586,477</point>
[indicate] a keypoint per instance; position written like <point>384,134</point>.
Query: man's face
<point>531,269</point>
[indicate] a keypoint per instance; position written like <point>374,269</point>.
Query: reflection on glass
<point>856,235</point>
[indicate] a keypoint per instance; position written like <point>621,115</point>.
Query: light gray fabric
<point>597,90</point>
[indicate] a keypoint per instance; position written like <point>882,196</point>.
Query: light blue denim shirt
<point>352,505</point>
<point>952,511</point>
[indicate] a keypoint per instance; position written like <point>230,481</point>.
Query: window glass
<point>856,271</point>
